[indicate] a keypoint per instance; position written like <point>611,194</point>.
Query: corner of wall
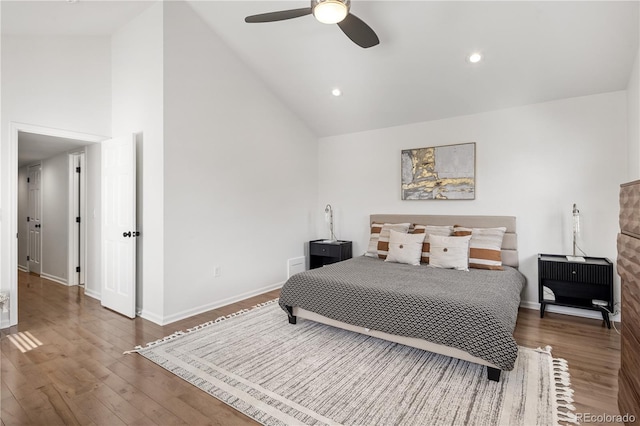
<point>137,51</point>
<point>633,120</point>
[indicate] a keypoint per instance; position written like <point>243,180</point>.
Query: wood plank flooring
<point>80,376</point>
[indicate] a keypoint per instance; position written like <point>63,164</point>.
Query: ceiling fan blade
<point>278,16</point>
<point>359,32</point>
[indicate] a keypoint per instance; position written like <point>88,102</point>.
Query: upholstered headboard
<point>509,243</point>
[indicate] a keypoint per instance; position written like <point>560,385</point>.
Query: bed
<point>428,308</point>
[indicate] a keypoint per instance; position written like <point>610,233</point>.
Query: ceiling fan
<point>327,12</point>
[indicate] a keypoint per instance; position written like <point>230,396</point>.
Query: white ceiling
<point>534,52</point>
<point>33,148</point>
<point>59,17</point>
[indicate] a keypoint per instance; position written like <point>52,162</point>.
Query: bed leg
<point>493,374</point>
<point>292,318</point>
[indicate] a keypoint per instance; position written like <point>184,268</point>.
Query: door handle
<point>126,234</point>
<point>135,233</point>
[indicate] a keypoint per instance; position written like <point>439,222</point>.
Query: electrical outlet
<point>216,271</point>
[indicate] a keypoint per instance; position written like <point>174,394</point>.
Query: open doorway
<point>86,151</point>
<point>52,207</point>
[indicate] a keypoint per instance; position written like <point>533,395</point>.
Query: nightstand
<point>322,252</point>
<point>584,285</point>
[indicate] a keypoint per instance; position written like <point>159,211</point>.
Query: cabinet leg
<point>605,317</point>
<point>542,306</point>
<point>493,374</point>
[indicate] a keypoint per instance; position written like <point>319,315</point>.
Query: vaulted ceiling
<point>533,52</point>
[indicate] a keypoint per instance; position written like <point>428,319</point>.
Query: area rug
<point>314,374</point>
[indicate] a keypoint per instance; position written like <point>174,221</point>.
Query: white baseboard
<point>585,313</point>
<point>22,268</point>
<point>54,278</point>
<point>208,307</point>
<point>92,294</point>
<point>150,316</point>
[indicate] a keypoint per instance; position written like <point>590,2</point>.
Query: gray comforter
<point>473,311</point>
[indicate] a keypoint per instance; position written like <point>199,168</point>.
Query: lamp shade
<point>331,11</point>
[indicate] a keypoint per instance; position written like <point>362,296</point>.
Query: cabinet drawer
<point>328,250</point>
<point>629,207</point>
<point>631,308</point>
<point>575,272</point>
<point>629,363</point>
<point>628,394</point>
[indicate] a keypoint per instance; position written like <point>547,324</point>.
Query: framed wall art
<point>439,173</point>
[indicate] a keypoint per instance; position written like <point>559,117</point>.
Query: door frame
<point>12,199</point>
<point>77,244</point>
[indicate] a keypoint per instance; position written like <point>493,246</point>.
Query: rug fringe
<point>235,314</point>
<point>199,327</point>
<point>157,342</point>
<point>545,350</point>
<point>563,394</point>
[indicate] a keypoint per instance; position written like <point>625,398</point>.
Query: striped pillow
<point>372,249</point>
<point>443,231</point>
<point>385,234</point>
<point>485,246</point>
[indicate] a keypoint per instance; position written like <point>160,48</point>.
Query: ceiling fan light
<point>330,11</point>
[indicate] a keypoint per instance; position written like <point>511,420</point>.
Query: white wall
<point>137,70</point>
<point>55,218</point>
<point>240,174</point>
<point>58,82</point>
<point>532,162</point>
<point>633,118</point>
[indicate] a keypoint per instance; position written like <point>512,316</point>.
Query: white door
<point>34,219</point>
<point>119,225</point>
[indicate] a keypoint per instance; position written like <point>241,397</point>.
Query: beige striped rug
<point>313,374</point>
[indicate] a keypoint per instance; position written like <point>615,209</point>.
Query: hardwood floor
<point>591,349</point>
<point>80,376</point>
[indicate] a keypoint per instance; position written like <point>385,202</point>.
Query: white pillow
<point>405,248</point>
<point>449,252</point>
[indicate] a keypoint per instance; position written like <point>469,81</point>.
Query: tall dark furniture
<point>324,253</point>
<point>629,270</point>
<point>585,285</point>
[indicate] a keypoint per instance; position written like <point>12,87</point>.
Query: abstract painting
<point>439,173</point>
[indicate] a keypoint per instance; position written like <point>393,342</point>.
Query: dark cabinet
<point>629,270</point>
<point>585,285</point>
<point>323,253</point>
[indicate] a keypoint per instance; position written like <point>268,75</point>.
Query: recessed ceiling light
<point>336,92</point>
<point>72,1</point>
<point>475,57</point>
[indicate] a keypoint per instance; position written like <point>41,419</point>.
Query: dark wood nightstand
<point>585,285</point>
<point>323,253</point>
